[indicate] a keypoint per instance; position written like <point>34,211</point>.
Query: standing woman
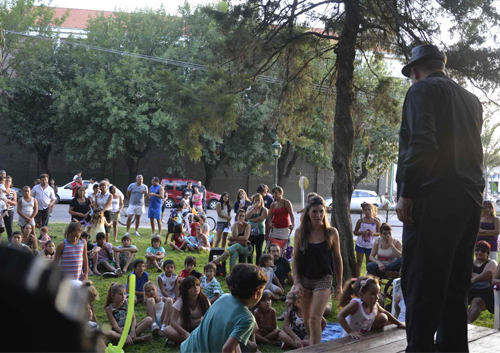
<point>242,201</point>
<point>263,190</point>
<point>282,218</point>
<point>52,183</point>
<point>315,260</point>
<point>197,199</point>
<point>11,203</point>
<point>489,228</point>
<point>79,207</point>
<point>27,209</point>
<point>256,216</point>
<point>223,219</point>
<point>103,201</point>
<point>116,209</point>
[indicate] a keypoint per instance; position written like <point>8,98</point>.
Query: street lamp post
<point>277,148</point>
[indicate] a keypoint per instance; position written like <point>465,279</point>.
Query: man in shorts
<point>136,193</point>
<point>155,202</point>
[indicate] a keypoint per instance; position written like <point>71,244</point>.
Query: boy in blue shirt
<point>228,323</point>
<point>141,277</point>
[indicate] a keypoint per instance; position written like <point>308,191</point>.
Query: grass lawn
<point>57,229</point>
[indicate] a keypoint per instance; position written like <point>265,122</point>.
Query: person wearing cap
<point>480,295</point>
<point>440,183</point>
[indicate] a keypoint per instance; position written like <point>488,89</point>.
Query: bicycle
<point>124,216</point>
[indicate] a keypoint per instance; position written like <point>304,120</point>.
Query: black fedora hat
<point>422,53</point>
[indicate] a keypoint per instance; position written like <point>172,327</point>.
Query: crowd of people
<point>178,304</point>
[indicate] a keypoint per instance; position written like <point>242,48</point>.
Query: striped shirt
<point>72,259</point>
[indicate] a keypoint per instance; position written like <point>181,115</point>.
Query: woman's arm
<point>491,233</point>
<point>34,243</point>
<point>289,208</point>
<point>35,209</point>
<point>271,214</point>
<point>487,273</point>
<point>397,248</point>
<point>356,228</point>
<point>496,276</point>
<point>377,227</point>
<point>373,254</point>
<point>337,258</point>
<point>297,287</point>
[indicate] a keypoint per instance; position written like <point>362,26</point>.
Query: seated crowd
<point>189,306</point>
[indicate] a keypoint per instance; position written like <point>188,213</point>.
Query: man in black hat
<point>440,184</point>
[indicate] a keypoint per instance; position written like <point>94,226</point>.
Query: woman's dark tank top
<point>316,261</point>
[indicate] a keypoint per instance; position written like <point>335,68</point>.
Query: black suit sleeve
<point>420,123</point>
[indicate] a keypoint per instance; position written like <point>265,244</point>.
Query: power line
<point>194,66</point>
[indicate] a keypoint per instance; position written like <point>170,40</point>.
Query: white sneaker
<point>154,328</point>
<point>163,327</point>
<point>126,234</point>
<point>118,272</point>
<point>137,233</point>
<point>153,234</point>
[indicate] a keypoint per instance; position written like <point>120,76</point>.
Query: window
<point>181,185</point>
<point>168,185</point>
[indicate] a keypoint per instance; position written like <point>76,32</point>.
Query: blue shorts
<point>363,250</point>
<point>154,213</point>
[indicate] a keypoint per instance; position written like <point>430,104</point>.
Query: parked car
<point>358,197</point>
<point>66,194</point>
<point>174,187</point>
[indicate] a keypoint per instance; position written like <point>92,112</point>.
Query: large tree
<point>30,73</point>
<point>113,106</point>
<point>358,27</point>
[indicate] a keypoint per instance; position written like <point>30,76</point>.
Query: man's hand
<point>403,209</point>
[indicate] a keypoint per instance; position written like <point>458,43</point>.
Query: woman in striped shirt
<point>71,254</point>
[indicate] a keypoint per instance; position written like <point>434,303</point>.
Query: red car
<point>174,187</point>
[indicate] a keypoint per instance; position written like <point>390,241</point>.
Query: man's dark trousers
<point>436,272</point>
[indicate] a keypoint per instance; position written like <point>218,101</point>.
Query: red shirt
<point>178,239</point>
<point>75,185</point>
<point>193,226</point>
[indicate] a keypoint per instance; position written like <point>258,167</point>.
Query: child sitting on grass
<point>203,237</point>
<point>17,243</point>
<point>211,287</point>
<point>141,277</point>
<point>29,238</point>
<point>189,265</point>
<point>177,242</point>
<point>158,308</point>
<point>294,334</point>
<point>155,254</point>
<point>105,263</point>
<point>361,311</point>
<point>219,331</point>
<point>265,316</point>
<point>167,281</point>
<point>266,261</point>
<point>174,219</point>
<point>125,253</point>
<point>116,311</point>
<point>50,250</point>
<point>44,237</point>
<point>187,312</point>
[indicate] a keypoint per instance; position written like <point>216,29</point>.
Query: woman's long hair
<point>221,201</point>
<point>306,224</point>
<point>202,300</point>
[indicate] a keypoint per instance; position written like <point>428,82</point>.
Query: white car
<point>358,197</point>
<point>65,194</point>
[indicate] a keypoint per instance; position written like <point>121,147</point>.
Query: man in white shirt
<point>136,193</point>
<point>46,198</point>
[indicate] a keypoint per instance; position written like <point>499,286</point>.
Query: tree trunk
<point>342,186</point>
<point>285,165</point>
<point>210,173</point>
<point>43,155</point>
<point>133,167</point>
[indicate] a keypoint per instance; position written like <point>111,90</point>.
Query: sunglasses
<point>481,250</point>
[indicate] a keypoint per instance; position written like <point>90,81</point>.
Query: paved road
<point>60,214</point>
